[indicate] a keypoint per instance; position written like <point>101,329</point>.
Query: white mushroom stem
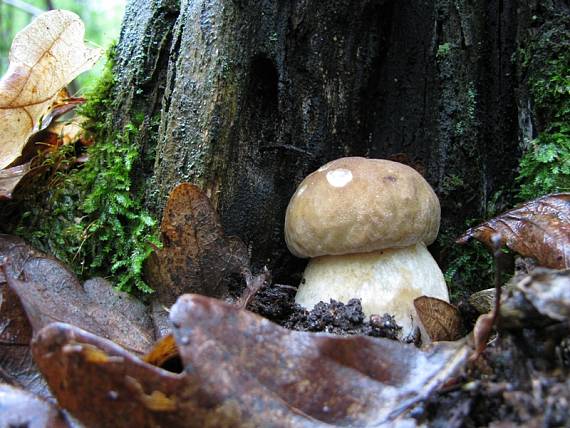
<point>386,281</point>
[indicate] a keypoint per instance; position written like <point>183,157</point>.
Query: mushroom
<point>365,224</point>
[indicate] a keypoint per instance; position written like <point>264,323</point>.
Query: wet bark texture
<point>251,96</point>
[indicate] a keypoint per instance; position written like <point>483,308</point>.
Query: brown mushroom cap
<point>358,205</point>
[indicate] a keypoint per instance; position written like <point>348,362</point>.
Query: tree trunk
<point>251,96</point>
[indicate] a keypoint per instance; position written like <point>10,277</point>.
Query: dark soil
<point>506,387</point>
<point>276,302</point>
<point>520,380</point>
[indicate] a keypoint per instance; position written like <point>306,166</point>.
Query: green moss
<point>100,98</point>
<point>469,268</point>
<point>443,50</point>
<point>451,183</point>
<point>91,217</point>
<point>545,167</point>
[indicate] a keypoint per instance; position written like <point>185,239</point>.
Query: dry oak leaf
<point>51,293</point>
<point>45,56</point>
<point>549,292</point>
<point>241,370</point>
<point>539,229</point>
<point>16,364</point>
<point>440,319</point>
<point>196,256</point>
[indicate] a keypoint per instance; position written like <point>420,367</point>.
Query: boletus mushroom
<point>365,224</point>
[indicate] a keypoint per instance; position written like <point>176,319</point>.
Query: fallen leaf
<point>162,351</point>
<point>538,229</point>
<point>20,408</point>
<point>241,370</point>
<point>66,132</point>
<point>50,293</point>
<point>253,283</point>
<point>101,292</point>
<point>16,364</point>
<point>53,294</point>
<point>440,319</point>
<point>17,367</point>
<point>483,300</point>
<point>196,257</point>
<point>9,179</point>
<point>482,333</point>
<point>52,134</point>
<point>62,104</point>
<point>549,292</point>
<point>44,57</point>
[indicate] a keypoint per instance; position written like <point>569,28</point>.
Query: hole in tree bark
<point>263,89</point>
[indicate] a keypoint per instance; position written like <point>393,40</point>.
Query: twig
<point>24,6</point>
<point>496,242</point>
<point>288,287</point>
<point>484,325</point>
<point>253,283</point>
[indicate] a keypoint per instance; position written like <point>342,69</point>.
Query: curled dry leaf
<point>241,370</point>
<point>20,408</point>
<point>196,257</point>
<point>44,57</point>
<point>63,103</point>
<point>51,135</point>
<point>482,333</point>
<point>483,300</point>
<point>253,283</point>
<point>538,229</point>
<point>9,179</point>
<point>440,319</point>
<point>549,292</point>
<point>164,349</point>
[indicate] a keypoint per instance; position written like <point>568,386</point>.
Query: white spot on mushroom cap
<point>301,189</point>
<point>339,177</point>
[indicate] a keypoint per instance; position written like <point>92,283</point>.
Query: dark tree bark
<point>254,95</point>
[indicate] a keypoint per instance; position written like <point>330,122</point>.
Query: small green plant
<point>471,269</point>
<point>545,167</point>
<point>443,50</point>
<point>451,183</point>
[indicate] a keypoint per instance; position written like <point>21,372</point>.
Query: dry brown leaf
<point>162,351</point>
<point>55,135</point>
<point>44,57</point>
<point>549,292</point>
<point>50,293</point>
<point>440,319</point>
<point>482,333</point>
<point>196,256</point>
<point>19,408</point>
<point>9,179</point>
<point>241,370</point>
<point>483,300</point>
<point>62,104</point>
<point>16,364</point>
<point>538,229</point>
